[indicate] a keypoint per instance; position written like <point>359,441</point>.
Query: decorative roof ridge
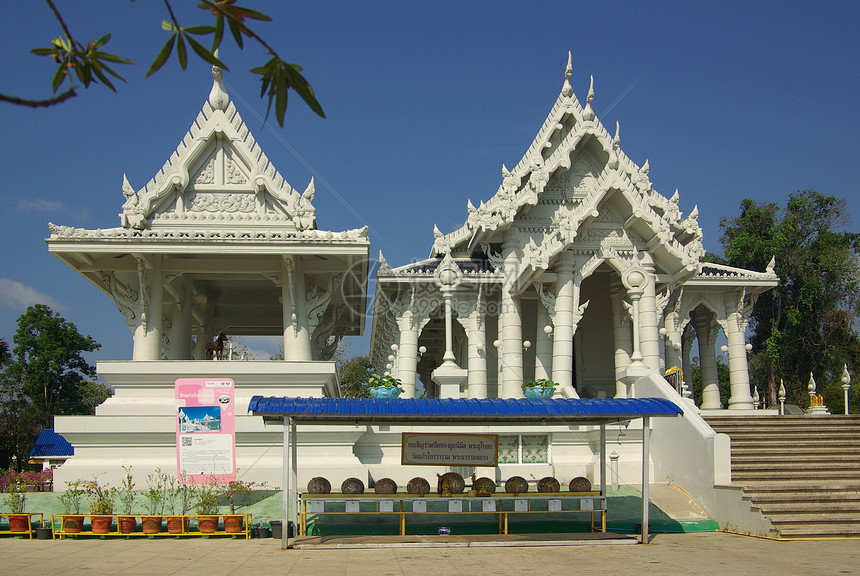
<point>724,271</point>
<point>185,235</point>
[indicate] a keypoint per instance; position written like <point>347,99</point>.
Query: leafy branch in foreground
<point>90,64</point>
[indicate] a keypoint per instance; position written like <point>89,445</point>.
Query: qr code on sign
<point>187,441</point>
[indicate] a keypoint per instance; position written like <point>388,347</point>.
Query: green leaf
<point>59,75</point>
<point>236,31</point>
<point>98,73</point>
<point>219,32</point>
<point>113,58</point>
<point>199,29</point>
<point>180,51</point>
<point>44,51</point>
<point>167,25</point>
<point>303,88</point>
<point>241,13</point>
<point>282,92</point>
<point>205,54</point>
<point>101,41</point>
<point>162,57</point>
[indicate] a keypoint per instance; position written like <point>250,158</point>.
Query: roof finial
<point>588,113</point>
<point>218,97</point>
<point>567,90</point>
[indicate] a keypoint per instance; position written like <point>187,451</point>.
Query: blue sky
<point>425,102</point>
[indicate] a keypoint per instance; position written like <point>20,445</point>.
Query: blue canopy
<point>460,410</point>
<point>50,444</point>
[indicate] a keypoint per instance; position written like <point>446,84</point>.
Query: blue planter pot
<point>538,392</point>
<point>385,392</point>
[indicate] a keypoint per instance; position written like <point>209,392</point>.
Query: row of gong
<point>449,483</point>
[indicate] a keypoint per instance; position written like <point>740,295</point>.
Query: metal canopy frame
<point>459,412</point>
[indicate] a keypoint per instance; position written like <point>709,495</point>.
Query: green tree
<point>86,64</point>
<point>807,324</point>
<point>45,375</point>
<point>353,376</point>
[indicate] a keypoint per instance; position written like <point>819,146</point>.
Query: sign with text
<point>205,430</point>
<point>449,449</point>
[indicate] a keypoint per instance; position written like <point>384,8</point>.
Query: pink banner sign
<point>205,430</point>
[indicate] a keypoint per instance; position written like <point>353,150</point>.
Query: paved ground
<point>705,554</point>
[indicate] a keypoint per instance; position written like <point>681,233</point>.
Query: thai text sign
<point>205,430</point>
<point>450,449</point>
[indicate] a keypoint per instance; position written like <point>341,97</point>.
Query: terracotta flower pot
<point>101,524</point>
<point>233,523</point>
<point>177,524</point>
<point>126,524</point>
<point>73,523</point>
<point>151,524</point>
<point>19,523</point>
<point>207,524</point>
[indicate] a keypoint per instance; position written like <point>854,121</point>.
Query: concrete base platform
<point>462,541</point>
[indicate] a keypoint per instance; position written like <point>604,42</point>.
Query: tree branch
<point>59,98</point>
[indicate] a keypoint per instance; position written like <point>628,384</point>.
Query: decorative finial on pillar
<point>218,97</point>
<point>588,113</point>
<point>566,89</point>
<point>771,266</point>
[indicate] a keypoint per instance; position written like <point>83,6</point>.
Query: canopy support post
<point>603,459</point>
<point>646,446</point>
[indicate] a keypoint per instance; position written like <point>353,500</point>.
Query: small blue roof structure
<point>460,411</point>
<point>49,444</point>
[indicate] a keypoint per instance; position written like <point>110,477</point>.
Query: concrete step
<point>799,465</point>
<point>820,460</point>
<point>773,510</point>
<point>818,529</point>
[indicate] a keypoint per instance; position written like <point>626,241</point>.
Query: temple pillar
<point>687,337</point>
<point>407,353</point>
<point>148,331</point>
<point>511,356</point>
<point>707,361</point>
<point>649,336</point>
<point>297,336</point>
<point>477,352</point>
<point>740,399</point>
<point>562,344</point>
<point>622,337</point>
<point>543,344</point>
<point>180,335</point>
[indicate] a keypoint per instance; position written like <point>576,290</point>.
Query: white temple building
<point>575,270</point>
<point>217,242</point>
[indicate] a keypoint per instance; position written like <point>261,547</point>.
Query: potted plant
<point>126,497</point>
<point>178,494</point>
<point>540,388</point>
<point>238,493</point>
<point>208,498</point>
<point>383,386</point>
<point>15,499</point>
<point>155,494</point>
<point>73,520</point>
<point>101,506</point>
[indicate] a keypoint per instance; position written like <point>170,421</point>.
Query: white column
<point>622,335</point>
<point>512,328</point>
<point>740,399</point>
<point>649,337</point>
<point>407,353</point>
<point>543,344</point>
<point>477,366</point>
<point>562,343</point>
<point>180,338</point>
<point>297,337</point>
<point>147,334</point>
<point>707,361</point>
<point>688,335</point>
